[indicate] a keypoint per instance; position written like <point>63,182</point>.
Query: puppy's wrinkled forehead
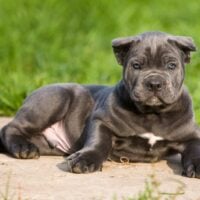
<point>152,43</point>
<point>152,47</point>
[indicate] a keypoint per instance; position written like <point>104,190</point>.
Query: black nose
<point>154,85</point>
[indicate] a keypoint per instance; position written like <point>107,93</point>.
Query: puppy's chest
<point>145,147</point>
<point>145,141</point>
<point>150,138</point>
<point>151,126</point>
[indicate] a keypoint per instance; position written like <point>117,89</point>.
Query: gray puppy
<point>145,117</point>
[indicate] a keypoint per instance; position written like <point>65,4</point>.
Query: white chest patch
<point>152,139</point>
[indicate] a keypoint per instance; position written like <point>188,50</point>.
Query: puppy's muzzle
<point>154,83</point>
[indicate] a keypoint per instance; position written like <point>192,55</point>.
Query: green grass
<point>152,190</point>
<point>69,41</point>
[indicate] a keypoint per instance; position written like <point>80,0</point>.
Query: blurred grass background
<point>48,41</point>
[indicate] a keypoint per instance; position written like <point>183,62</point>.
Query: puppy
<point>146,116</point>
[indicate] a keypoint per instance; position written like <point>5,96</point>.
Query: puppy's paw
<point>19,147</point>
<point>191,168</point>
<point>191,159</point>
<point>84,161</point>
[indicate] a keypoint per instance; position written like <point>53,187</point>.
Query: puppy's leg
<point>191,159</point>
<point>96,149</point>
<point>41,109</point>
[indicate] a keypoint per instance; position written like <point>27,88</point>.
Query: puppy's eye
<point>171,65</point>
<point>136,65</point>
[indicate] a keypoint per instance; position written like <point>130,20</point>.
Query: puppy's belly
<point>57,137</point>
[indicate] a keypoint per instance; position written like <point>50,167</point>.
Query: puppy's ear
<point>186,44</point>
<point>121,47</point>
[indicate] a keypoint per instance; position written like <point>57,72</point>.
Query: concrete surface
<point>43,179</point>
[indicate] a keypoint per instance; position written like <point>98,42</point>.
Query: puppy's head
<point>153,66</point>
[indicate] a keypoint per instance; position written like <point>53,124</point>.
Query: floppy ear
<point>186,44</point>
<point>121,47</point>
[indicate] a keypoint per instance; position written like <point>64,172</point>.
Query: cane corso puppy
<point>146,116</point>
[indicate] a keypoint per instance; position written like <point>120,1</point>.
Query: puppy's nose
<point>153,84</point>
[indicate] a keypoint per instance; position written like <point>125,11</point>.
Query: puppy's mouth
<point>153,101</point>
<point>149,100</point>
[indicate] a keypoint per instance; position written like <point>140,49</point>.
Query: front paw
<point>84,161</point>
<point>191,159</point>
<point>191,167</point>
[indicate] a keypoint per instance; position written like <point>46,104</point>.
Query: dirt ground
<point>45,179</point>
